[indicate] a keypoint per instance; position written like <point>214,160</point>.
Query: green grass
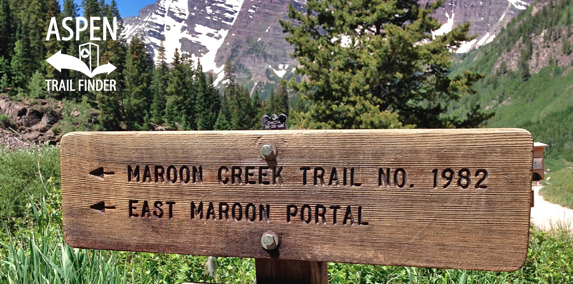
<point>33,250</point>
<point>4,118</point>
<point>559,189</point>
<point>20,180</point>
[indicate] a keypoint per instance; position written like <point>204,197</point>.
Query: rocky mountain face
<point>487,18</point>
<point>248,32</point>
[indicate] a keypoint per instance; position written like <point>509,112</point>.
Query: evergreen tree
<point>4,83</point>
<point>566,47</point>
<point>189,96</point>
<point>110,103</point>
<point>137,74</point>
<point>174,91</point>
<point>91,8</point>
<point>113,12</point>
<point>366,60</point>
<point>241,109</point>
<point>112,112</point>
<point>53,45</point>
<point>259,110</point>
<point>208,101</point>
<point>6,30</point>
<point>5,72</point>
<point>34,25</point>
<point>23,63</point>
<point>230,89</point>
<point>279,101</point>
<point>222,123</point>
<point>37,86</point>
<point>70,9</point>
<point>524,60</point>
<point>159,87</point>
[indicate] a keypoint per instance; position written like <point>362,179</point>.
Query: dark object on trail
<point>274,122</point>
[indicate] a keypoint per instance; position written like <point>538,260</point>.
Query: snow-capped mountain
<point>248,32</point>
<point>487,18</point>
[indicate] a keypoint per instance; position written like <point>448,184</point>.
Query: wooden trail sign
<point>432,198</point>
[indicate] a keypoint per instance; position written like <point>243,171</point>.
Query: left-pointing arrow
<point>100,206</point>
<point>99,172</point>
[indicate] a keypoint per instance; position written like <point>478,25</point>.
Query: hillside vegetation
<point>528,83</point>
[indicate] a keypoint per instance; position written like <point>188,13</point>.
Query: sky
<point>126,7</point>
<point>131,7</point>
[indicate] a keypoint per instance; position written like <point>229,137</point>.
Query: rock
<point>49,135</point>
<point>7,138</point>
<point>75,113</point>
<point>33,135</point>
<point>158,127</point>
<point>41,126</point>
<point>31,122</point>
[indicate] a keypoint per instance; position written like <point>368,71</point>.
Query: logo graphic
<point>63,61</point>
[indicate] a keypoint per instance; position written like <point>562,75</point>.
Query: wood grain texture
<point>418,224</point>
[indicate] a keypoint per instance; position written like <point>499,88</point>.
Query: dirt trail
<point>545,215</point>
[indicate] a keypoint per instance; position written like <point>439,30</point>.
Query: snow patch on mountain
<point>502,16</point>
<point>220,76</point>
<point>213,39</point>
<point>490,39</point>
<point>173,23</point>
<point>445,28</point>
<point>483,40</point>
<point>281,71</point>
<point>519,4</point>
<point>173,27</point>
<point>466,47</point>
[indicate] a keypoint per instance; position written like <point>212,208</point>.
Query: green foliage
<point>37,86</point>
<point>279,102</point>
<point>7,31</point>
<point>20,180</point>
<point>77,117</point>
<point>111,103</point>
<point>208,101</point>
<point>53,45</point>
<point>23,63</point>
<point>4,118</point>
<point>367,55</point>
<point>559,189</point>
<point>566,46</point>
<point>222,123</point>
<point>4,81</point>
<point>137,84</point>
<point>237,107</point>
<point>160,82</point>
<point>175,91</point>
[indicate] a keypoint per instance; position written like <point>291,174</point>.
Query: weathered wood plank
<point>416,221</point>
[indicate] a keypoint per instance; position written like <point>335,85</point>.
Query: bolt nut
<point>270,240</point>
<point>268,151</point>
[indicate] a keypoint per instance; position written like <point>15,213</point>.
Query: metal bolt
<point>270,240</point>
<point>268,152</point>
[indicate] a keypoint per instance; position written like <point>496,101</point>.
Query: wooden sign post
<point>431,198</point>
